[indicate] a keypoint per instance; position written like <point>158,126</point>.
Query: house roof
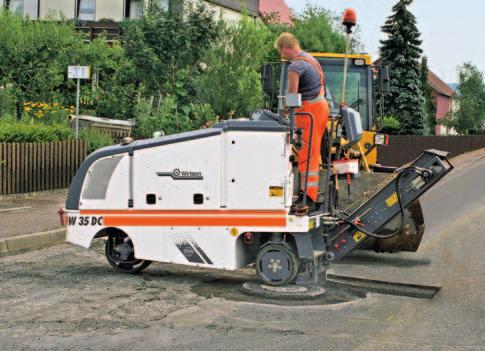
<point>439,86</point>
<point>252,6</point>
<point>268,7</point>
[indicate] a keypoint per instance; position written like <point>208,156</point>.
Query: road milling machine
<point>232,195</point>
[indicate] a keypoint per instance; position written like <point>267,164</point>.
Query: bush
<point>21,132</point>
<point>167,119</point>
<point>95,139</point>
<point>391,122</point>
<point>170,119</point>
<point>201,115</point>
<point>391,125</point>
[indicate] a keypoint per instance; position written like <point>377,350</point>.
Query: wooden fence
<point>406,148</point>
<point>30,167</point>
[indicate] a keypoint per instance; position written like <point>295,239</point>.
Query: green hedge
<point>95,140</point>
<point>21,132</point>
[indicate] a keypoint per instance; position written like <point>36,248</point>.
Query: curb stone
<point>32,241</point>
<point>3,246</point>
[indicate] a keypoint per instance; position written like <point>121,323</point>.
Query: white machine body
<point>189,198</point>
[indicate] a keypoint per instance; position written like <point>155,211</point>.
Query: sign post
<point>78,73</point>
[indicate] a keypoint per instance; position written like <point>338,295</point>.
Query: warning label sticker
<point>391,200</point>
<point>358,237</point>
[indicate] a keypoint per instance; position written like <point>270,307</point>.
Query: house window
<point>134,9</point>
<point>164,4</point>
<point>86,10</point>
<point>16,6</point>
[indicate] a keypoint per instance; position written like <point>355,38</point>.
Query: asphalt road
<point>66,297</point>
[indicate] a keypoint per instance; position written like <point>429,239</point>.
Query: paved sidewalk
<point>30,213</point>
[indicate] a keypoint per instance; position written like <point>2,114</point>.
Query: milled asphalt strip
<point>32,241</point>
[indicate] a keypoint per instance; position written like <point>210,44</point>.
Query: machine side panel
<point>256,170</point>
<point>178,176</point>
<point>205,246</point>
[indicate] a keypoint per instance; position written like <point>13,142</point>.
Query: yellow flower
<point>27,109</point>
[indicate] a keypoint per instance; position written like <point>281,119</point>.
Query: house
<point>277,8</point>
<point>443,98</point>
<point>118,10</point>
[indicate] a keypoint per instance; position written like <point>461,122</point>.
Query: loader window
<point>96,185</point>
<point>357,92</point>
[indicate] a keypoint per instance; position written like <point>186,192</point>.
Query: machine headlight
<point>381,139</point>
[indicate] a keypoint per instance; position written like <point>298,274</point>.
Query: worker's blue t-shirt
<point>310,85</point>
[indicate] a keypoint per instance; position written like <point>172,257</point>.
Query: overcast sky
<point>452,31</point>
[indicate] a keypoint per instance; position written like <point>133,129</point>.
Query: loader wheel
<point>121,254</point>
<point>276,264</point>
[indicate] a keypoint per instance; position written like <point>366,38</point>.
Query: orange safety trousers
<point>320,112</point>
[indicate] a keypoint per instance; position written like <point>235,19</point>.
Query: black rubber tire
<point>290,262</point>
<point>132,265</point>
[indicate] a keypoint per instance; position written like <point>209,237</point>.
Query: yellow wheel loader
<point>365,87</point>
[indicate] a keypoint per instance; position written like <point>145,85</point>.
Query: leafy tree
<point>233,63</point>
<point>401,52</point>
<point>470,114</point>
<point>230,82</point>
<point>317,29</point>
<point>165,48</point>
<point>34,57</point>
<point>429,106</point>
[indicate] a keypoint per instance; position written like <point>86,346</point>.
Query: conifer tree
<point>429,102</point>
<point>401,51</point>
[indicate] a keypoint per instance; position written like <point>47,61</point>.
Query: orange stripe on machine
<point>208,218</point>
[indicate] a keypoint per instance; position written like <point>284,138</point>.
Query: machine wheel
<point>276,264</point>
<point>121,254</point>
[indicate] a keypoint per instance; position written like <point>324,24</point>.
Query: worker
<point>306,77</point>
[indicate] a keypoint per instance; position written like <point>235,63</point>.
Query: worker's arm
<point>293,82</point>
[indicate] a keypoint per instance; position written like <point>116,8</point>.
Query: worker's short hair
<point>286,40</point>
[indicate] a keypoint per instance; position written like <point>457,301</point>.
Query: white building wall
<point>112,9</point>
<point>66,8</point>
<point>30,8</point>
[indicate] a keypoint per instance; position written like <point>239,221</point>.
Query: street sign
<point>78,72</point>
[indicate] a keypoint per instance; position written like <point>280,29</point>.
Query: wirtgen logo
<point>177,174</point>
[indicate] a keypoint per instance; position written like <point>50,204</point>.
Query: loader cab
<point>360,94</point>
<point>359,91</point>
